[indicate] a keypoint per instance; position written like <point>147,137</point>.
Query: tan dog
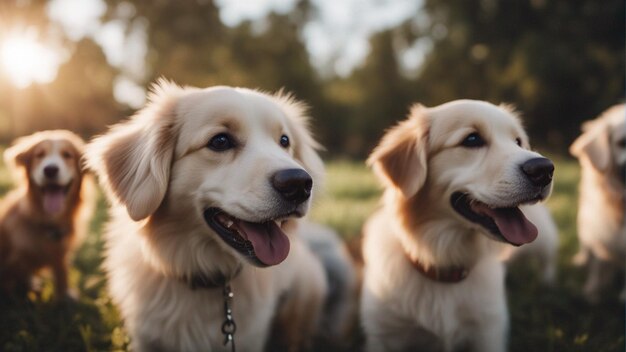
<point>43,220</point>
<point>206,187</point>
<point>601,150</point>
<point>455,175</point>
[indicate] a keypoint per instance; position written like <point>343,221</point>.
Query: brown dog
<point>41,220</point>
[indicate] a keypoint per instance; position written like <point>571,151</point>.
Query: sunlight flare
<point>26,60</point>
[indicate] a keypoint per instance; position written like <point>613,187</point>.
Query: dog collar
<point>450,275</point>
<point>204,281</point>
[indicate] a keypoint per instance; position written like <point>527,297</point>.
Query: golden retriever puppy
<point>544,250</point>
<point>206,186</point>
<point>42,221</point>
<point>601,151</point>
<point>455,176</point>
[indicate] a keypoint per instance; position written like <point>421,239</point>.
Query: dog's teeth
<point>225,220</point>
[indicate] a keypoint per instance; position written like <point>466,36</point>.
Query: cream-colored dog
<point>455,176</point>
<point>601,150</point>
<point>206,186</point>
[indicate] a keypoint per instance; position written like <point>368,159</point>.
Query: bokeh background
<point>85,64</point>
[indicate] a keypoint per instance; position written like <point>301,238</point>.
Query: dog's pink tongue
<point>270,243</point>
<point>512,224</point>
<point>53,201</point>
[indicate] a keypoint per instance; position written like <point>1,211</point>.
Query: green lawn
<point>542,319</point>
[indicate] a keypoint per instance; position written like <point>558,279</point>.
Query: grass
<point>350,194</point>
<point>542,319</point>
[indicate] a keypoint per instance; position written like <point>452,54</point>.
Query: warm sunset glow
<point>26,60</point>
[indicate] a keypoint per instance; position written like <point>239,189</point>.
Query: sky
<point>336,42</point>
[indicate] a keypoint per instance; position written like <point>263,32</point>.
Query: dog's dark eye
<point>473,140</point>
<point>518,141</point>
<point>66,155</point>
<point>284,141</point>
<point>221,142</point>
<point>621,143</point>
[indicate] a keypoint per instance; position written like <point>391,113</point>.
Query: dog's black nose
<point>539,171</point>
<point>51,171</point>
<point>294,185</point>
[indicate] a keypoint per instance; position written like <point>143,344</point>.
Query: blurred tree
<point>561,62</point>
<point>15,13</point>
<point>79,99</point>
<point>381,97</point>
<point>81,96</point>
<point>20,12</point>
<point>188,43</point>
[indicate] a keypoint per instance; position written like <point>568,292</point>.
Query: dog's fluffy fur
<point>465,146</point>
<point>43,220</point>
<point>163,168</point>
<point>601,152</point>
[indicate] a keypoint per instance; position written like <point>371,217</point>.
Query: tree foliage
<point>560,62</point>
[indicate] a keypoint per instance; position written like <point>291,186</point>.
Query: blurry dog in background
<point>455,176</point>
<point>601,151</point>
<point>44,219</point>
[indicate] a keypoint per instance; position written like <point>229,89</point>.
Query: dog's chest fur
<point>164,313</point>
<point>447,315</point>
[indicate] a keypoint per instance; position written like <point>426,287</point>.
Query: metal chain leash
<point>228,326</point>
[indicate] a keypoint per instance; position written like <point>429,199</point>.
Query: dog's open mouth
<point>264,244</point>
<point>507,224</point>
<point>54,197</point>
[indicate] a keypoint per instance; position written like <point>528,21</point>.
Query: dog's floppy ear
<point>594,145</point>
<point>133,159</point>
<point>400,159</point>
<point>19,153</point>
